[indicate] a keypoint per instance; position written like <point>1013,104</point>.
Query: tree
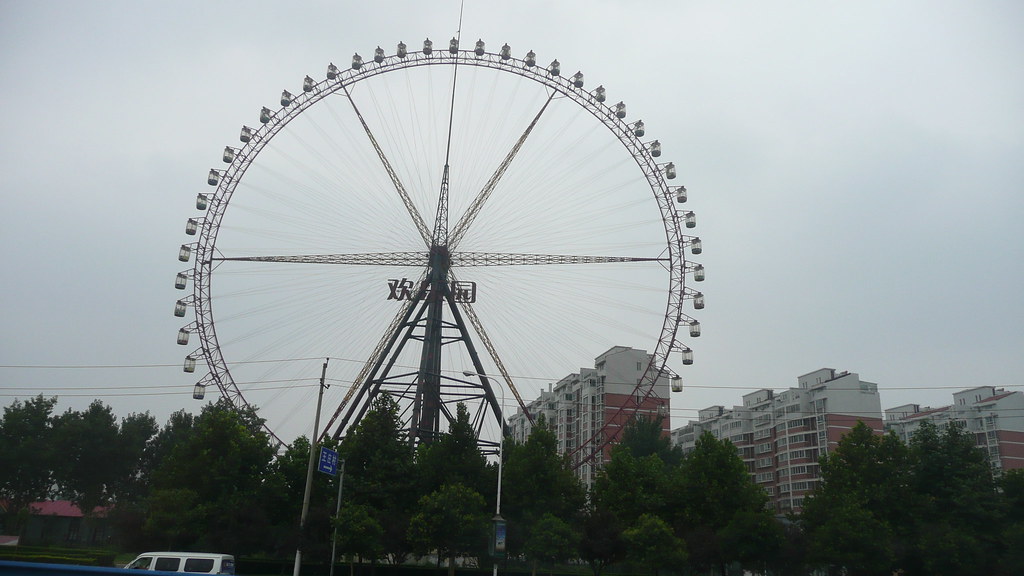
<point>643,436</point>
<point>101,461</point>
<point>131,480</point>
<point>27,451</point>
<point>177,430</point>
<point>536,482</point>
<point>91,456</point>
<point>283,489</point>
<point>455,458</point>
<point>754,539</point>
<point>380,473</point>
<point>652,543</point>
<point>550,540</point>
<point>1012,486</point>
<point>629,487</point>
<point>852,520</point>
<point>956,516</point>
<point>173,517</point>
<point>452,521</point>
<point>359,533</point>
<point>709,489</point>
<point>626,488</point>
<point>601,543</point>
<point>222,461</point>
<point>848,538</point>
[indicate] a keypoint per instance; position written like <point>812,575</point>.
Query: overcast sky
<point>856,169</point>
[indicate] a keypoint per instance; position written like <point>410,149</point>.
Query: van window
<point>202,565</point>
<point>167,564</point>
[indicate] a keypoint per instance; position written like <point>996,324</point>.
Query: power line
<point>540,378</point>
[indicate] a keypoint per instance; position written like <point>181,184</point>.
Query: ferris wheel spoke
<point>417,219</point>
<point>488,344</point>
<point>363,259</point>
<point>462,259</point>
<point>474,209</point>
<point>468,259</point>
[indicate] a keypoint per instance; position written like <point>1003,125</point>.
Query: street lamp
<point>498,536</point>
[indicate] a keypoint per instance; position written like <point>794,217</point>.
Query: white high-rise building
<point>993,415</point>
<point>780,436</point>
<point>595,403</point>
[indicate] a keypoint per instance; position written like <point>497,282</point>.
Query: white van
<point>191,562</point>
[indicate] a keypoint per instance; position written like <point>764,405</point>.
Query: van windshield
<point>140,563</point>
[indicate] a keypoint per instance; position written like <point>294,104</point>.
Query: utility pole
<point>309,471</point>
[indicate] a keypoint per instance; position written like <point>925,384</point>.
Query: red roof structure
<point>63,508</point>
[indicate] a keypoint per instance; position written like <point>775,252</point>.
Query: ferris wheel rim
<point>273,121</point>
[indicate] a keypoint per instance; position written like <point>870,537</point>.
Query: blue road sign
<point>328,461</point>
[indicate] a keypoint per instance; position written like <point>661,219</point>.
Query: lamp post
<point>337,510</point>
<point>498,535</point>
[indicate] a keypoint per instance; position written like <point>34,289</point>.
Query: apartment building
<point>596,403</point>
<point>993,415</point>
<point>781,435</point>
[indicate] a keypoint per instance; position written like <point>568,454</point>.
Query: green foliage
<point>929,508</point>
<point>132,477</point>
<point>652,543</point>
<point>380,473</point>
<point>643,437</point>
<point>537,482</point>
<point>852,519</point>
<point>711,493</point>
<point>847,534</point>
<point>753,538</point>
<point>174,517</point>
<point>100,460</point>
<point>550,540</point>
<point>222,462</point>
<point>52,555</point>
<point>455,458</point>
<point>89,446</point>
<point>213,481</point>
<point>957,508</point>
<point>359,532</point>
<point>601,543</point>
<point>27,451</point>
<point>712,485</point>
<point>629,487</point>
<point>451,520</point>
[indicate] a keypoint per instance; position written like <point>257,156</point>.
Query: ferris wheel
<point>444,225</point>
